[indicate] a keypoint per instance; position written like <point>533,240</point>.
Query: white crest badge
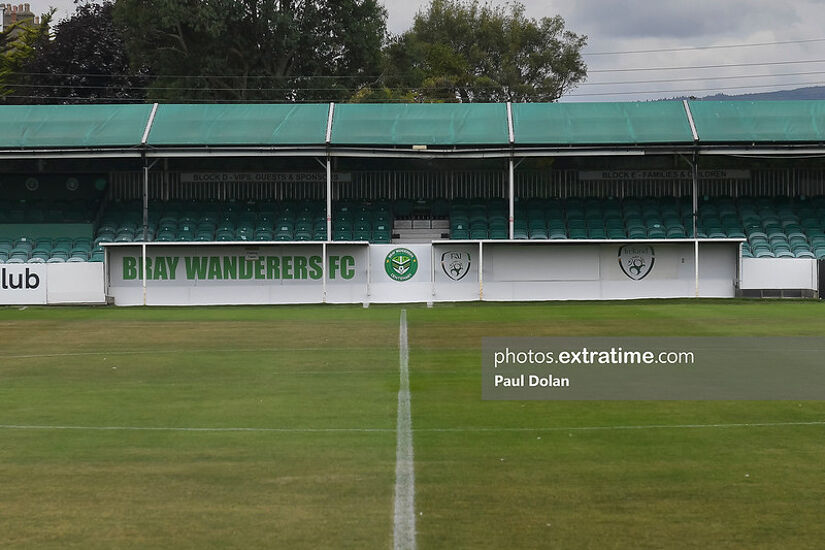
<point>455,264</point>
<point>636,260</point>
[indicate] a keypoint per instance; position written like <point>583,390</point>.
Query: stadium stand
<point>52,226</point>
<point>61,231</point>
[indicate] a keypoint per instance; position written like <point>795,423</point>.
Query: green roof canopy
<point>420,124</point>
<point>69,126</point>
<point>755,121</point>
<point>603,125</point>
<point>240,124</point>
<point>600,123</point>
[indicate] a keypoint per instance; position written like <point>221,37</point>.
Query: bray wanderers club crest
<point>401,264</point>
<point>455,264</point>
<point>636,260</point>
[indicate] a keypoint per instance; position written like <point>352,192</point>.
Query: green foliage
<point>254,49</point>
<point>18,45</point>
<point>465,51</point>
<point>86,61</point>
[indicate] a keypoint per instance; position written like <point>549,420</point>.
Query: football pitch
<point>279,427</point>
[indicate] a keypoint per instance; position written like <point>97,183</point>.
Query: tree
<point>85,61</point>
<point>267,50</point>
<point>461,50</point>
<point>18,46</point>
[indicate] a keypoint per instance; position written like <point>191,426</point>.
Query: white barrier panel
<point>76,283</point>
<point>284,273</point>
<point>456,267</point>
<point>248,273</point>
<point>348,268</point>
<point>401,273</point>
<point>23,284</point>
<point>41,284</point>
<point>779,274</point>
<point>607,270</point>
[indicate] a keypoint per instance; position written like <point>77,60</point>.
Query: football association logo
<point>401,264</point>
<point>636,261</point>
<point>455,264</point>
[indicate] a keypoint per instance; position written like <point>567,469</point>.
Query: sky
<point>765,45</point>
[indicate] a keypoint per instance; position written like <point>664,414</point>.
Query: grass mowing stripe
<point>173,351</point>
<point>423,430</point>
<point>403,532</point>
<point>638,427</point>
<point>184,429</point>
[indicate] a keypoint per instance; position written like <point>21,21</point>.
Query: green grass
<point>314,376</point>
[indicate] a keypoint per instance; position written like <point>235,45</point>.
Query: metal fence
<point>414,184</point>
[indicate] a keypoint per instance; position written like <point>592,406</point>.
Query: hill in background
<point>813,92</point>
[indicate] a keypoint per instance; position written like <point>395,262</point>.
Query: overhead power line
<point>699,48</point>
<point>327,89</point>
<point>784,85</point>
<point>692,67</point>
<point>700,78</point>
<point>373,77</point>
<point>327,99</point>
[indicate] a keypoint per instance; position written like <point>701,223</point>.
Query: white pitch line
<point>403,533</point>
<point>467,429</point>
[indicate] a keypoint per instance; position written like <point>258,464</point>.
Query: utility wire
<point>372,77</point>
<point>477,87</point>
<point>718,47</point>
<point>763,64</point>
<point>783,86</point>
<point>399,100</point>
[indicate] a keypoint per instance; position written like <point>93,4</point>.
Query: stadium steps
<point>419,231</point>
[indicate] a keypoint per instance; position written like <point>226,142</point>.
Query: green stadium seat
<point>381,237</point>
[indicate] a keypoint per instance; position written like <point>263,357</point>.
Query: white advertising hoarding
<point>442,271</point>
<point>23,284</point>
<point>248,273</point>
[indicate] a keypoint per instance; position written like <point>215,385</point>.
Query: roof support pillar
<point>695,217</point>
<point>145,223</point>
<point>512,199</point>
<point>511,175</point>
<point>328,141</point>
<point>329,198</point>
<point>145,199</point>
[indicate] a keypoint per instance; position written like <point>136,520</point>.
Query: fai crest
<point>401,264</point>
<point>636,260</point>
<point>455,264</point>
